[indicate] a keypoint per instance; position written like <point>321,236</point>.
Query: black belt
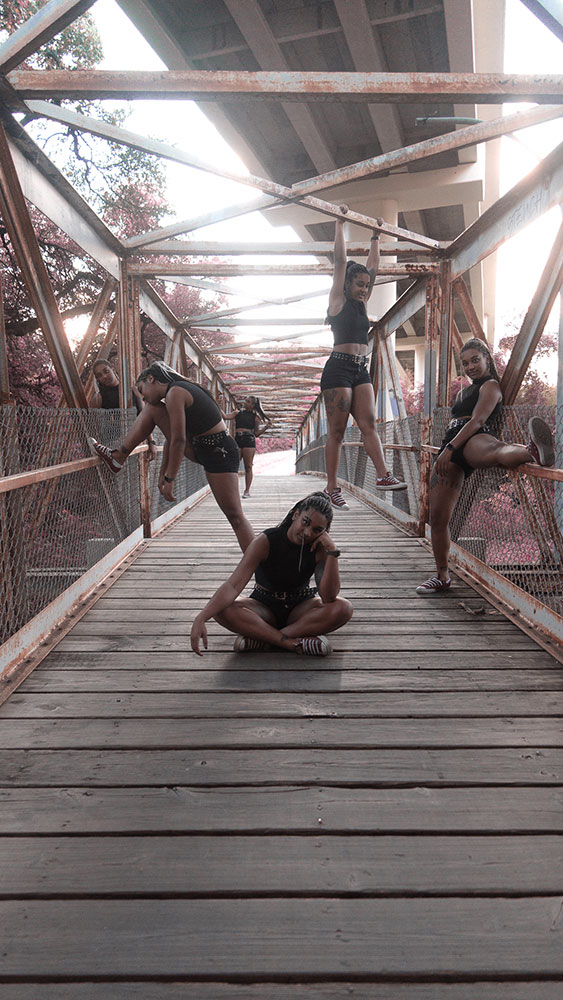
<point>284,595</point>
<point>356,359</point>
<point>461,421</point>
<point>210,438</point>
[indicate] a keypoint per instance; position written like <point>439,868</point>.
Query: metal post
<point>444,370</point>
<point>15,213</point>
<point>430,333</point>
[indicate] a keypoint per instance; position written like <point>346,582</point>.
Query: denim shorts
<point>216,452</point>
<point>245,439</point>
<point>344,371</point>
<point>457,456</point>
<point>282,607</point>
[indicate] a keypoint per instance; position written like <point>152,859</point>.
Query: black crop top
<point>109,395</point>
<point>203,414</point>
<point>280,570</point>
<point>467,399</point>
<point>351,324</point>
<point>245,420</point>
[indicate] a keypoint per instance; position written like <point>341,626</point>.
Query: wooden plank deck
<point>382,824</point>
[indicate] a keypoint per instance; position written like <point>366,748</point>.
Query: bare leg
<point>312,617</point>
<point>248,459</point>
<point>254,620</point>
<point>139,430</point>
<point>337,403</point>
<point>363,411</point>
<point>484,452</point>
<point>444,494</point>
<point>224,486</point>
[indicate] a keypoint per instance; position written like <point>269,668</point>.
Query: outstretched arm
<point>327,574</point>
<point>372,262</point>
<point>228,416</point>
<point>336,297</point>
<point>229,591</point>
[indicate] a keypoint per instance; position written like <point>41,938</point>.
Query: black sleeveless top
<point>351,324</point>
<point>467,399</point>
<point>280,571</point>
<point>109,395</point>
<point>203,414</point>
<point>245,420</point>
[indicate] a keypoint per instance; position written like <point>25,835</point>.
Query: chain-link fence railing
<point>55,530</point>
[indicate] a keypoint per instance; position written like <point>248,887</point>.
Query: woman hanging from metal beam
<point>191,422</point>
<point>346,384</point>
<point>469,444</point>
<point>250,423</point>
<point>283,610</point>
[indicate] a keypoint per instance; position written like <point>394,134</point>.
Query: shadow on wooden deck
<point>383,823</point>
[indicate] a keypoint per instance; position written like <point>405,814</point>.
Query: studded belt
<point>357,359</point>
<point>284,595</point>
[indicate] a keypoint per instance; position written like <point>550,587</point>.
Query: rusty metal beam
<point>144,240</point>
<point>196,248</point>
<point>462,292</point>
<point>4,369</point>
<point>277,191</point>
<point>22,236</point>
<point>170,270</point>
<point>40,28</point>
<point>224,85</point>
<point>406,306</point>
<point>539,191</point>
<point>534,322</point>
<point>461,139</point>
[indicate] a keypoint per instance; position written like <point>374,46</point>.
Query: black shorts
<point>344,371</point>
<point>216,452</point>
<point>245,439</point>
<point>282,607</point>
<point>457,456</point>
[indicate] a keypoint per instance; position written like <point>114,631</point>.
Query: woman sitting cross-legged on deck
<point>470,444</point>
<point>283,610</point>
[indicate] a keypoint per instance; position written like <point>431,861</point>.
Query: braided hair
<point>315,501</point>
<point>161,372</point>
<point>475,344</point>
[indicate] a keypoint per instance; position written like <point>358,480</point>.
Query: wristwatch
<point>333,552</point>
<point>167,479</point>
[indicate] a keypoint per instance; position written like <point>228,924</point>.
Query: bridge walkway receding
<point>383,823</point>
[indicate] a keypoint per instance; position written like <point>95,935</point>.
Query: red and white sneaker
<point>245,644</point>
<point>316,645</point>
<point>540,444</point>
<point>105,453</point>
<point>390,482</point>
<point>336,498</point>
<point>433,586</point>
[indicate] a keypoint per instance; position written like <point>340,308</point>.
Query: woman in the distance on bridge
<point>250,423</point>
<point>346,384</point>
<point>283,610</point>
<point>191,422</point>
<point>469,444</point>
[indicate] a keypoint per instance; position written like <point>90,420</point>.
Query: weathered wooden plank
<point>344,705</point>
<point>329,733</point>
<point>281,809</point>
<point>302,866</point>
<point>446,642</point>
<point>355,629</point>
<point>283,937</point>
<point>181,679</point>
<point>533,765</point>
<point>274,660</point>
<point>530,990</point>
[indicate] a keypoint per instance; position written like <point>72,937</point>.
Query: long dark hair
<point>162,372</point>
<point>102,361</point>
<point>479,345</point>
<point>257,407</point>
<point>315,501</point>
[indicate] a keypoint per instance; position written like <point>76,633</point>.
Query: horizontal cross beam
<point>222,85</point>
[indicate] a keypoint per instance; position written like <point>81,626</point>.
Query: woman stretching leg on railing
<point>469,444</point>
<point>191,422</point>
<point>345,384</point>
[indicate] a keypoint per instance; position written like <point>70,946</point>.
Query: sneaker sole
<point>103,460</point>
<point>543,440</point>
<point>401,486</point>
